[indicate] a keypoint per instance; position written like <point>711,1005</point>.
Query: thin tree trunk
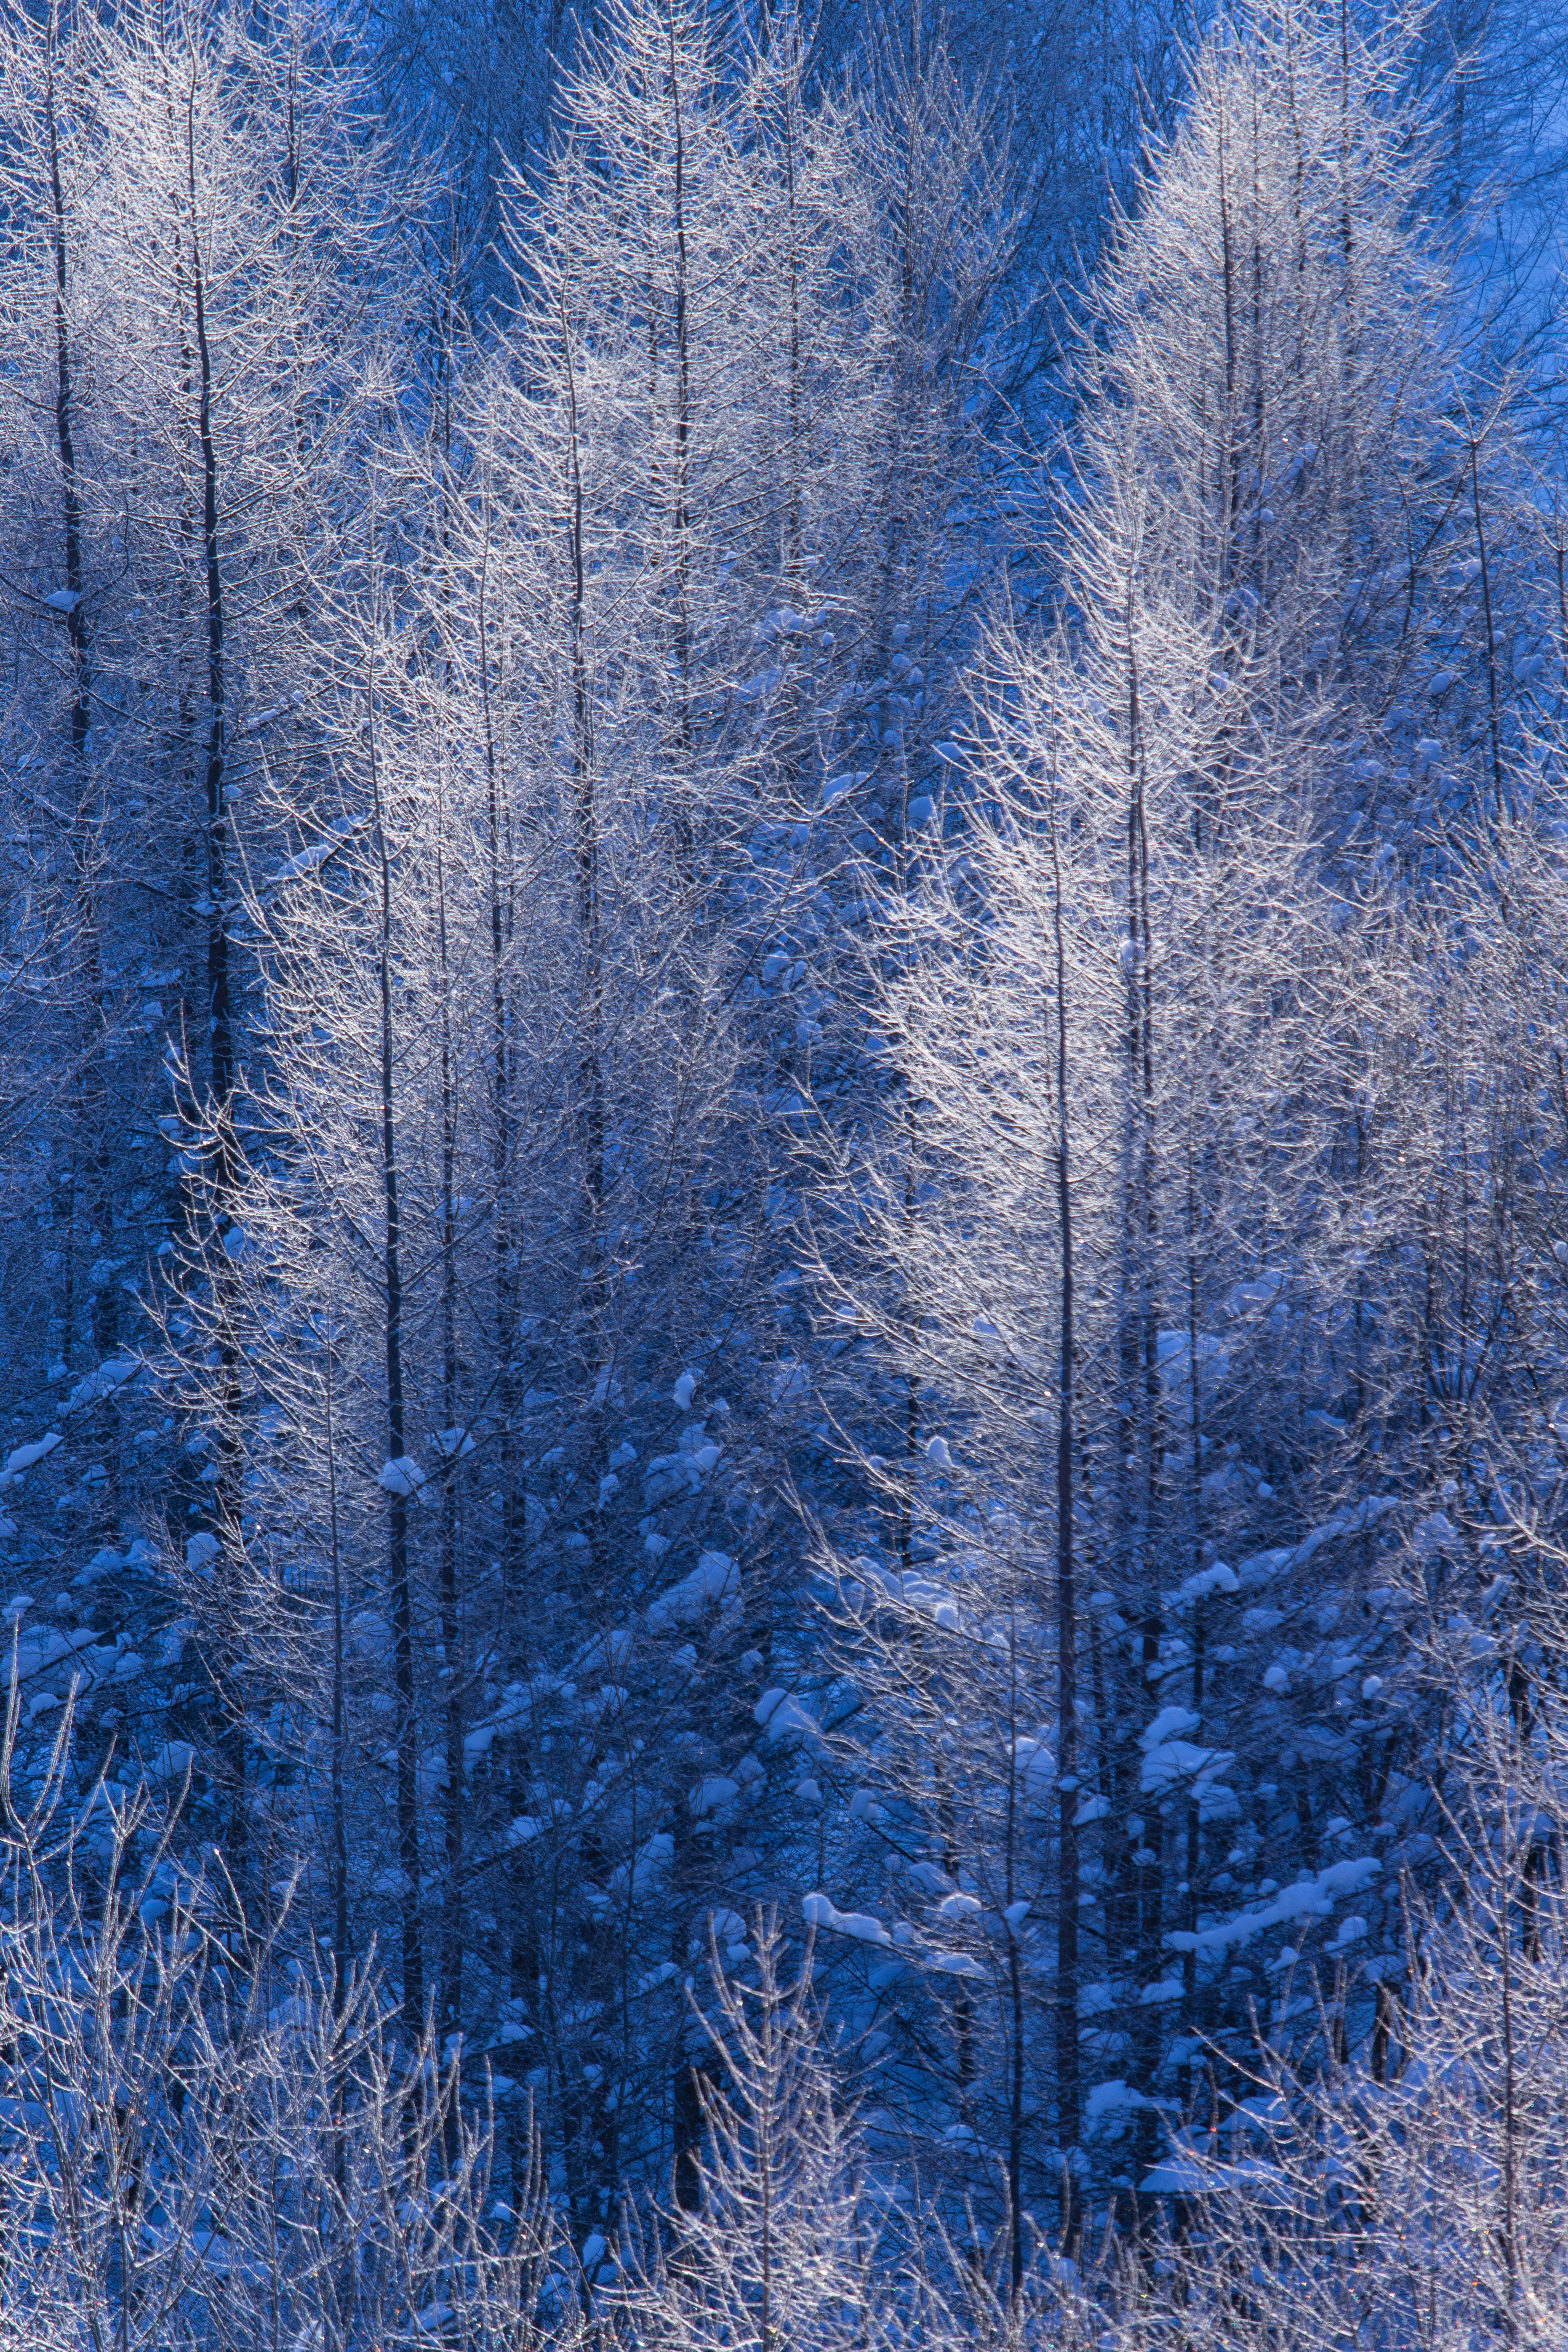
<point>450,1998</point>
<point>1068,2089</point>
<point>514,1529</point>
<point>682,436</point>
<point>218,1114</point>
<point>398,1570</point>
<point>586,843</point>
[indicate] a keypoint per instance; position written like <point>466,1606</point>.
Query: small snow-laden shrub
<point>209,2136</point>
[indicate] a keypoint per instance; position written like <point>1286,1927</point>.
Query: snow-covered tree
<point>1114,1216</point>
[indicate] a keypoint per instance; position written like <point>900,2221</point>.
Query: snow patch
<point>779,1715</point>
<point>401,1476</point>
<point>715,1578</point>
<point>1309,1898</point>
<point>21,1458</point>
<point>819,1911</point>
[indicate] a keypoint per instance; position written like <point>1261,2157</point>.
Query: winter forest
<point>784,1176</point>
